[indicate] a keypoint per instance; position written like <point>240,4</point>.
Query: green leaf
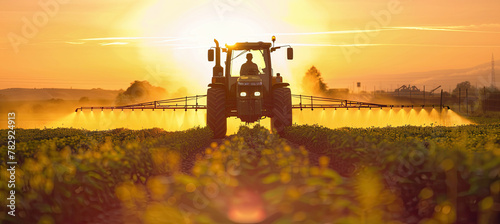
<point>271,178</point>
<point>285,220</point>
<point>204,219</point>
<point>333,175</point>
<point>186,179</point>
<point>315,181</point>
<point>275,195</point>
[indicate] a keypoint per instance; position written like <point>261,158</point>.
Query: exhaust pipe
<point>218,70</point>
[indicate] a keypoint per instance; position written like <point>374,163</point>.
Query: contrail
<point>114,43</point>
<point>327,32</point>
<point>423,28</point>
<point>446,29</point>
<point>127,38</point>
<point>162,40</point>
<point>382,44</point>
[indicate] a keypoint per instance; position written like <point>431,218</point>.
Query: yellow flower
<point>314,171</point>
<point>285,177</point>
<point>190,187</point>
<point>323,161</point>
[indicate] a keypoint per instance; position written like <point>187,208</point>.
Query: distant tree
<point>84,100</point>
<point>56,100</point>
<point>492,89</point>
<point>140,91</point>
<point>463,86</point>
<point>312,82</point>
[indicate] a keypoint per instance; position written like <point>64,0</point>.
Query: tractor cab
<point>246,87</point>
<point>257,79</point>
<point>236,58</point>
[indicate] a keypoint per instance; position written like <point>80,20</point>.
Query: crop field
<point>310,174</point>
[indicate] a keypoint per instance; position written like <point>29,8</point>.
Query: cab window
<point>239,58</point>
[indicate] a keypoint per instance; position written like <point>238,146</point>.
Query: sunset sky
<point>110,43</point>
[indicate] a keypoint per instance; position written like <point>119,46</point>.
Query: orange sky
<point>108,44</point>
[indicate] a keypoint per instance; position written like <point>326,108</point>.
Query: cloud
<point>128,38</point>
<point>385,44</point>
<point>465,29</point>
<point>157,41</point>
<point>74,42</point>
<point>114,43</point>
<point>193,41</point>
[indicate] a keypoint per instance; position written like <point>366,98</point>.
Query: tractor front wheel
<point>282,109</point>
<point>216,111</point>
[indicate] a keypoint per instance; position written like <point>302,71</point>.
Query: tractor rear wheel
<point>282,109</point>
<point>216,111</point>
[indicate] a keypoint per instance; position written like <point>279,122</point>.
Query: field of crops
<point>310,174</point>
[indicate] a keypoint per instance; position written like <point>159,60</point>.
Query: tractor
<point>249,94</point>
<point>246,90</point>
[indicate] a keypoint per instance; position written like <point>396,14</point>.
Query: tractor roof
<point>250,46</point>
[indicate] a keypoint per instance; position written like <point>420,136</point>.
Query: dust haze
<point>40,108</point>
<point>314,84</point>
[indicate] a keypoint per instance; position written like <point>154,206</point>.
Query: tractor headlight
<point>257,93</point>
<point>243,94</point>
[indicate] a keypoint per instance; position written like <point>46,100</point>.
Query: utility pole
<point>493,83</point>
<point>441,102</point>
<point>484,99</point>
<point>459,96</point>
<point>467,100</point>
<point>410,92</point>
<point>424,95</point>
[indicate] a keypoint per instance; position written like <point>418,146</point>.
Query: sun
<point>183,38</point>
<point>237,28</point>
<point>196,25</point>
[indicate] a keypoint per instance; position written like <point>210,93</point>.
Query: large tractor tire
<point>216,111</point>
<point>282,109</point>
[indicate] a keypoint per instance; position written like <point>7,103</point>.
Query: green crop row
<point>400,175</point>
<point>256,177</point>
<point>72,175</point>
<point>427,167</point>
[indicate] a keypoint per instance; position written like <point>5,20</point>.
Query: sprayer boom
<point>185,103</point>
<point>314,102</point>
<point>299,102</point>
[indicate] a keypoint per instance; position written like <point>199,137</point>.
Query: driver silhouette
<point>249,68</point>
